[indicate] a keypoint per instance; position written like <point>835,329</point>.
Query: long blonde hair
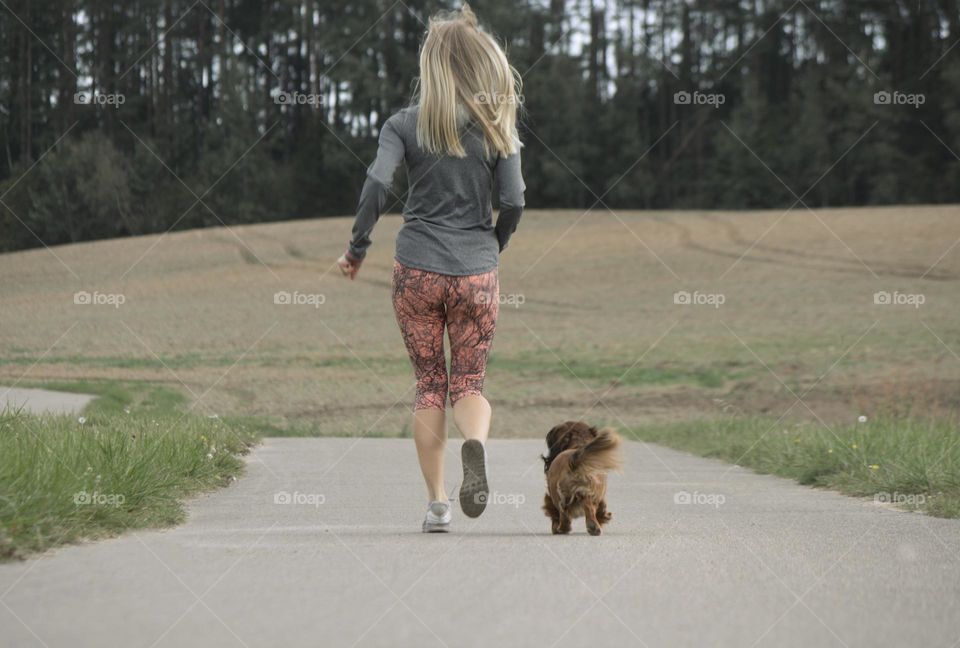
<point>464,73</point>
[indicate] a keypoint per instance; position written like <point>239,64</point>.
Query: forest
<point>129,117</point>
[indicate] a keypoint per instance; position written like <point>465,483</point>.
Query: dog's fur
<point>576,465</point>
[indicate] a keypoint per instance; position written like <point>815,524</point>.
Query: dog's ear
<point>554,444</point>
<point>555,438</point>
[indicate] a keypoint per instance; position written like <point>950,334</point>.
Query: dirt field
<point>589,326</point>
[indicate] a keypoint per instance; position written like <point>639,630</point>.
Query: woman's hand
<point>349,265</point>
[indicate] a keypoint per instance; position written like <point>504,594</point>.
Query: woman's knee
<point>460,389</point>
<point>432,387</point>
<point>430,398</point>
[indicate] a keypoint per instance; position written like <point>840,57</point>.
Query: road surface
<point>319,545</point>
<point>43,401</point>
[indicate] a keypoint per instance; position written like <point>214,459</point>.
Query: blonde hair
<point>464,73</point>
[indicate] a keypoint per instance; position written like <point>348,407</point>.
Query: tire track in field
<point>795,258</point>
<point>905,269</point>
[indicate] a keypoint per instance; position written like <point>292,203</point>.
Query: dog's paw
<point>594,529</point>
<point>606,517</point>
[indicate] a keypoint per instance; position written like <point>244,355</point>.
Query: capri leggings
<point>426,302</point>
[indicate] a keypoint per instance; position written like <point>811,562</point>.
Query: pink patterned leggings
<point>426,302</point>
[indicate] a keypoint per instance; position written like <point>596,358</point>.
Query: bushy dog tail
<point>600,455</point>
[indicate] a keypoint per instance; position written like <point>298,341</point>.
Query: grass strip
<point>126,463</point>
<point>913,463</point>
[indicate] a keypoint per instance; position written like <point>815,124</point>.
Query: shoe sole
<point>436,528</point>
<point>473,489</point>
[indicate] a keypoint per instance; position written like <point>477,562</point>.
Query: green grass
<point>592,369</point>
<point>913,462</point>
<point>198,361</point>
<point>126,463</point>
<point>184,361</point>
<point>599,371</point>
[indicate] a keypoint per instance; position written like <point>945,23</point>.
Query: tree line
<point>137,116</point>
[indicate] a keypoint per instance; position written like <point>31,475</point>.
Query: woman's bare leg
<point>418,303</point>
<point>430,435</point>
<point>471,323</point>
<point>471,415</point>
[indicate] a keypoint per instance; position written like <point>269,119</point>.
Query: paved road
<point>43,401</point>
<point>768,564</point>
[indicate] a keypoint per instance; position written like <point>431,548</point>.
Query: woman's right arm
<point>390,153</point>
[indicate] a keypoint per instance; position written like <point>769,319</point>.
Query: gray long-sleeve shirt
<point>448,217</point>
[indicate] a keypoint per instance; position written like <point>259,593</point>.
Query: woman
<point>458,137</point>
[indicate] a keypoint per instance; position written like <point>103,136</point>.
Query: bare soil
<point>589,326</point>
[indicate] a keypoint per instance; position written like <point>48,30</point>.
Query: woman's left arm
<point>510,179</point>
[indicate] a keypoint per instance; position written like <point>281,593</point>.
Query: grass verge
<point>116,397</point>
<point>913,463</point>
<point>127,463</point>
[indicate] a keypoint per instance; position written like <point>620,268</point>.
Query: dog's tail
<point>600,455</point>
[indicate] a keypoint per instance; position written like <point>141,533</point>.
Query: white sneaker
<point>438,518</point>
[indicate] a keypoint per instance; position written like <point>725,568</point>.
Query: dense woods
<point>136,116</point>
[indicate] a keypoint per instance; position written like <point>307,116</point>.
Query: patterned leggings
<point>425,302</point>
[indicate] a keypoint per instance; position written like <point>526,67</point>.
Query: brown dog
<point>577,461</point>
